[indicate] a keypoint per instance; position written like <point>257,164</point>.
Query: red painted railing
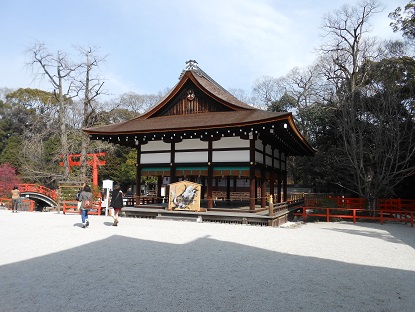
<point>396,204</point>
<point>71,206</point>
<point>355,214</point>
<point>36,188</point>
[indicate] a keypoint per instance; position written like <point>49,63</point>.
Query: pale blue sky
<point>147,42</point>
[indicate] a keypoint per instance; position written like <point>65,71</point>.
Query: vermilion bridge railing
<point>36,188</point>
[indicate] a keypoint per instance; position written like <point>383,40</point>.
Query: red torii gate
<point>94,162</point>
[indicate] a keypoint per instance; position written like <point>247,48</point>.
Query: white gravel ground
<point>49,263</point>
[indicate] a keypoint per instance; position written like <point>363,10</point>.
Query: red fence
<point>327,200</point>
<point>71,206</point>
<point>355,214</point>
<point>332,207</point>
<point>25,205</point>
<point>396,204</point>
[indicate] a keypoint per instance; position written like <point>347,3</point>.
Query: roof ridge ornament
<point>191,64</point>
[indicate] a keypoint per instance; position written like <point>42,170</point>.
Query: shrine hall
<point>201,133</point>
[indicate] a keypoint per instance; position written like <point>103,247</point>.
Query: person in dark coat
<point>116,203</point>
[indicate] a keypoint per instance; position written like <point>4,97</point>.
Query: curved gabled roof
<point>206,84</point>
<point>228,113</point>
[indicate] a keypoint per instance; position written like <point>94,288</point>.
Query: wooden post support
<point>271,205</point>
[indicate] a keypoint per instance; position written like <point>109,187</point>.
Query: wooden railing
<point>356,213</point>
<point>218,195</point>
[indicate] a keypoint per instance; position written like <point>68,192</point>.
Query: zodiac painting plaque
<point>184,195</point>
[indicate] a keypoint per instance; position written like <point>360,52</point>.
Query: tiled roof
<point>230,119</point>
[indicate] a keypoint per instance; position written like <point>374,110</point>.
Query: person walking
<point>116,203</point>
<point>86,203</point>
<point>78,194</point>
<point>15,198</point>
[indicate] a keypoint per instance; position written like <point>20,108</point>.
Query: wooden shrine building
<point>201,133</point>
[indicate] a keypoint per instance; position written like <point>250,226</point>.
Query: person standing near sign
<point>116,203</point>
<point>86,203</point>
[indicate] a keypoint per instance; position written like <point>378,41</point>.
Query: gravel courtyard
<point>49,263</point>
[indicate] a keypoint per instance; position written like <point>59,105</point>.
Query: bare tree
<point>92,87</point>
<point>268,90</point>
<point>375,125</point>
<point>58,69</point>
<point>347,48</point>
<point>308,88</point>
<point>138,103</point>
<point>379,138</point>
<point>242,95</point>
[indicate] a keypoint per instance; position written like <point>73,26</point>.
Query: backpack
<point>87,204</point>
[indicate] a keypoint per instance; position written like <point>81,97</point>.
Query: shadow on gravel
<point>393,233</point>
<point>126,274</point>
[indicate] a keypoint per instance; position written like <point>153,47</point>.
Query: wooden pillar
<point>228,190</point>
<point>284,183</point>
<point>210,176</point>
<point>263,188</point>
<point>159,185</point>
<point>173,177</point>
<point>279,177</point>
<point>264,177</point>
<point>252,180</point>
<point>203,188</point>
<point>272,176</point>
<point>271,183</point>
<point>138,176</point>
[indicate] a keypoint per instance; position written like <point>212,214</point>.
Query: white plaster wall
<point>229,142</point>
<point>191,157</point>
<point>155,146</point>
<point>191,144</point>
<point>155,158</point>
<point>259,145</point>
<point>277,164</point>
<point>268,150</point>
<point>268,160</point>
<point>258,158</point>
<point>231,156</point>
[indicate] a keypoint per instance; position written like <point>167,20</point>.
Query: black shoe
<point>87,223</point>
<point>83,226</point>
